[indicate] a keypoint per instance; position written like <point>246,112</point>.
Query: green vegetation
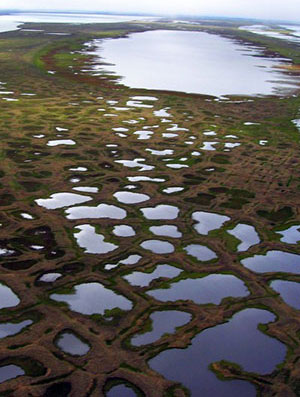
<point>253,184</point>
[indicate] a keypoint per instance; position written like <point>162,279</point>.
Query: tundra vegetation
<point>107,207</point>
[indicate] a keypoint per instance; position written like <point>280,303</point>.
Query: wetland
<point>149,228</point>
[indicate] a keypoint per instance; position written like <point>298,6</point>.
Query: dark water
<point>9,372</point>
<point>289,291</point>
<point>209,289</point>
<point>121,391</point>
<point>237,341</point>
<point>162,322</point>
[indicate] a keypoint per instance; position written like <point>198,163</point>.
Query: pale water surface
<point>193,62</point>
<point>14,20</point>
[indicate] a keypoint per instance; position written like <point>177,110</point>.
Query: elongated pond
<point>10,372</point>
<point>193,62</point>
<point>209,289</point>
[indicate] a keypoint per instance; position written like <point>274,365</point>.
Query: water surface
<point>123,231</point>
<point>200,252</point>
<point>60,200</point>
<point>101,211</point>
<point>246,234</point>
<point>8,329</point>
<point>69,343</point>
<point>49,277</point>
<point>161,212</point>
<point>166,230</point>
<point>290,235</point>
<point>130,260</point>
<point>122,390</point>
<point>162,322</point>
<point>171,190</point>
<point>92,298</point>
<point>158,246</point>
<point>131,198</point>
<point>7,297</point>
<point>237,341</point>
<point>143,279</point>
<point>209,289</point>
<point>273,261</point>
<point>10,372</point>
<point>289,291</point>
<point>193,62</point>
<point>57,142</point>
<point>292,34</point>
<point>92,242</point>
<point>208,221</point>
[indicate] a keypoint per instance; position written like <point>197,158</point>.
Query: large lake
<point>193,62</point>
<point>14,20</point>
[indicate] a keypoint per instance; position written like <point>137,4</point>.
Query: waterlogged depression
<point>169,227</point>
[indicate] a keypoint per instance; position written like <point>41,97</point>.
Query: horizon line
<point>210,16</point>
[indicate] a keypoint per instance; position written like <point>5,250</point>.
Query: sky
<point>260,9</point>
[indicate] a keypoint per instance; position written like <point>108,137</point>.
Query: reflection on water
<point>290,235</point>
<point>123,231</point>
<point>101,211</point>
<point>292,32</point>
<point>10,372</point>
<point>92,242</point>
<point>92,298</point>
<point>123,390</point>
<point>7,297</point>
<point>209,146</point>
<point>142,279</point>
<point>273,261</point>
<point>158,246</point>
<point>131,198</point>
<point>136,163</point>
<point>247,234</point>
<point>166,230</point>
<point>49,277</point>
<point>208,221</point>
<point>71,344</point>
<point>194,62</point>
<point>160,212</point>
<point>130,260</point>
<point>289,291</point>
<point>170,190</point>
<point>57,142</point>
<point>60,200</point>
<point>86,189</point>
<point>162,323</point>
<point>237,341</point>
<point>200,252</point>
<point>8,329</point>
<point>209,289</point>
